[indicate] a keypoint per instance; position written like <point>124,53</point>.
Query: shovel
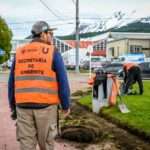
<point>122,106</point>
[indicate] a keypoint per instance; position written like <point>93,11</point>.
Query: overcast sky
<point>26,12</point>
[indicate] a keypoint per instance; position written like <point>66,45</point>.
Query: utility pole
<point>77,36</point>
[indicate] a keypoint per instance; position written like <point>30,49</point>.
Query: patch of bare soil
<point>95,133</point>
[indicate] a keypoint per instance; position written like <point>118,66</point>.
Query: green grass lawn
<point>139,105</point>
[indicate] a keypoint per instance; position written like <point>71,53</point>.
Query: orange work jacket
<point>127,66</point>
<point>35,81</point>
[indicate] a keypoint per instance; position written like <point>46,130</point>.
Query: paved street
<point>7,126</point>
<point>78,81</point>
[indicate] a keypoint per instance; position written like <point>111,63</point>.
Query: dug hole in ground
<point>89,131</point>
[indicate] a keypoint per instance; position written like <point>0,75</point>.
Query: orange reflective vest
<point>35,81</point>
<point>127,66</point>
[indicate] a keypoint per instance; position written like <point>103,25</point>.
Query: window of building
<point>99,46</point>
<point>135,48</point>
<point>112,51</point>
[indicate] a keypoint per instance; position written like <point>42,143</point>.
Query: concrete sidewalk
<point>7,126</point>
<point>8,129</point>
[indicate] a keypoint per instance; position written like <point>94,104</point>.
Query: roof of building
<point>83,44</point>
<point>131,38</point>
<point>118,35</point>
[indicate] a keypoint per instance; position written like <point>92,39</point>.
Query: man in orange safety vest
<point>37,85</point>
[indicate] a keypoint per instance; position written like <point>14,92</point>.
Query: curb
<point>4,72</point>
<point>141,134</point>
<point>132,130</point>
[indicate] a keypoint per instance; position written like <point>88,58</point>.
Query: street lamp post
<point>90,66</point>
<point>77,36</point>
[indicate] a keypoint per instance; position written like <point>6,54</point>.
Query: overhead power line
<point>81,18</point>
<point>50,10</point>
<point>30,22</point>
<point>59,24</point>
<point>73,2</point>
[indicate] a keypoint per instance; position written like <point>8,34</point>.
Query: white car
<point>9,63</point>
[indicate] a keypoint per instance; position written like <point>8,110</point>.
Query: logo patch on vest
<point>23,51</point>
<point>45,50</point>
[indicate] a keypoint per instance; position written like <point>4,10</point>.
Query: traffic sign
<point>2,52</point>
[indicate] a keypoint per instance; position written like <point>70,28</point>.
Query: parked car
<point>3,66</point>
<point>116,67</point>
<point>145,68</point>
<point>85,65</point>
<point>113,68</point>
<point>9,63</point>
<point>98,61</point>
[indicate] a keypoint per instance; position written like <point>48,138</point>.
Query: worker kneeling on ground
<point>132,74</point>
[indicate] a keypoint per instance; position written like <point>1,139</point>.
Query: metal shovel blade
<point>123,108</point>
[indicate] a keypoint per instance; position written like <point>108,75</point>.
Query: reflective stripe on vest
<point>44,78</point>
<point>35,90</point>
<point>35,81</point>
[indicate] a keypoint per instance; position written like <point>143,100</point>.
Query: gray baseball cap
<point>41,26</point>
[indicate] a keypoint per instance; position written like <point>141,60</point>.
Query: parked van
<point>97,61</point>
<point>69,57</point>
<point>133,57</point>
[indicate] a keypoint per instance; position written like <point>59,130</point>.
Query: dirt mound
<point>84,126</point>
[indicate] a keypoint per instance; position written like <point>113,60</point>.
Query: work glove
<point>14,114</point>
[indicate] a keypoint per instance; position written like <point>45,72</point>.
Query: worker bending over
<point>132,75</point>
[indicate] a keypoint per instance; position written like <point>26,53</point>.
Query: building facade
<point>119,43</point>
<point>123,46</point>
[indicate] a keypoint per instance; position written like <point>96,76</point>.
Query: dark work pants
<point>102,81</point>
<point>133,76</point>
